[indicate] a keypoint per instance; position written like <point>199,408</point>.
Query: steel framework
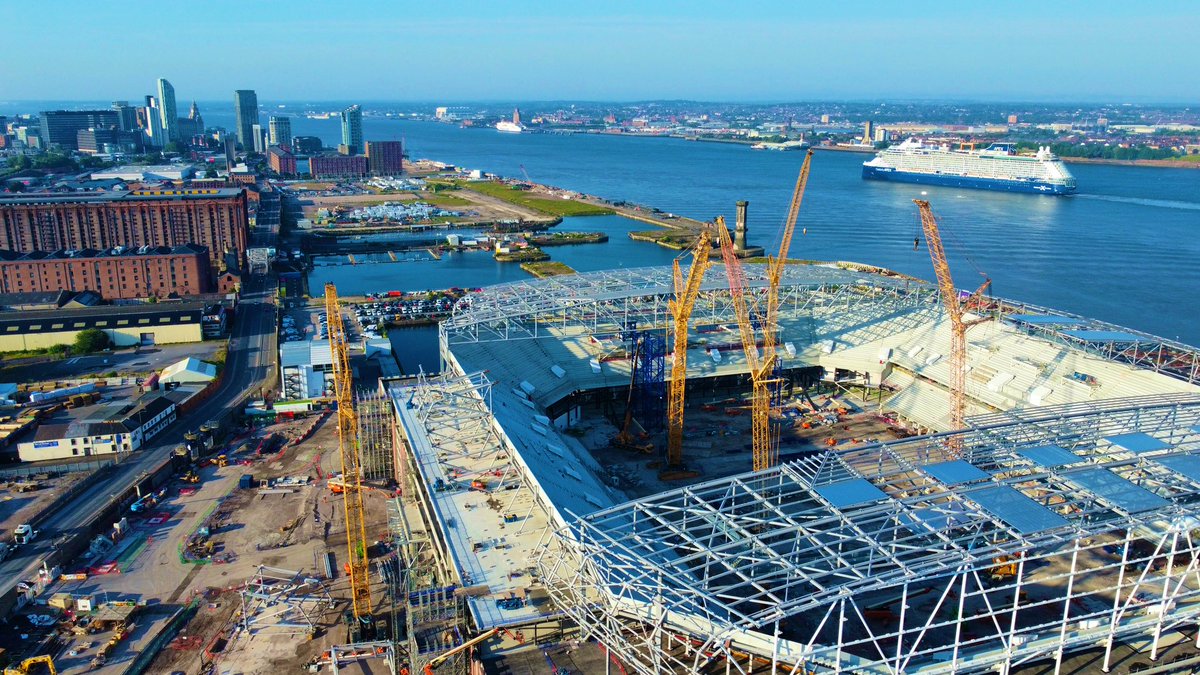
<point>1069,527</point>
<point>605,302</point>
<point>283,601</point>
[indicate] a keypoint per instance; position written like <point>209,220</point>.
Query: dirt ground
<point>717,439</point>
<point>291,531</point>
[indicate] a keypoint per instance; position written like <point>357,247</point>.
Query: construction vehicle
<point>222,460</point>
<point>352,494</point>
<point>765,442</point>
<point>470,644</point>
<point>190,477</point>
<point>956,309</point>
<point>625,439</point>
<point>23,667</point>
<point>681,312</point>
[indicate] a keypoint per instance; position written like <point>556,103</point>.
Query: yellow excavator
<point>23,667</point>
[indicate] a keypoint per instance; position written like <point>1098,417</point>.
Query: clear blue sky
<point>612,50</point>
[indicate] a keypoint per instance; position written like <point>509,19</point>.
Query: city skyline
<point>770,52</point>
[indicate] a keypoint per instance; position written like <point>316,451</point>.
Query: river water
<point>1124,249</point>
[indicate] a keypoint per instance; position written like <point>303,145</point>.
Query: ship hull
<point>995,184</point>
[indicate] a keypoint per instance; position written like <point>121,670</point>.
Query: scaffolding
<point>375,435</point>
<point>1064,529</point>
<point>651,382</point>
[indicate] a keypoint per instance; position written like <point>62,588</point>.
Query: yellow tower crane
<point>352,492</point>
<point>681,312</point>
<point>955,309</point>
<point>765,443</point>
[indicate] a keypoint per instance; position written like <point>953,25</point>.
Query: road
<point>251,359</point>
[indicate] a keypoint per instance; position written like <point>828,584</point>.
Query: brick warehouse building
<point>213,218</point>
<point>116,274</point>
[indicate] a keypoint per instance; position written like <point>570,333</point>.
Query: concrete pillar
<point>739,232</point>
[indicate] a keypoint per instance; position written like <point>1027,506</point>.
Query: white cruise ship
<point>513,127</point>
<point>997,167</point>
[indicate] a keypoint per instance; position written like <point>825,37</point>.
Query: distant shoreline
<point>1157,163</point>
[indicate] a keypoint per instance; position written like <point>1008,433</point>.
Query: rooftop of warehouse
<point>126,196</point>
<point>117,252</point>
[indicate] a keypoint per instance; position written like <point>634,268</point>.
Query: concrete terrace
<point>484,498</point>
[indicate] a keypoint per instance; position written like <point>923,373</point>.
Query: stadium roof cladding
<point>742,553</point>
<point>1080,431</point>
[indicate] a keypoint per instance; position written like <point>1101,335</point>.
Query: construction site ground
<point>717,439</point>
<point>18,507</point>
<point>290,531</point>
<point>480,207</point>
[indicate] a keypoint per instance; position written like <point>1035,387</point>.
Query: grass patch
<point>549,268</point>
<point>53,350</point>
<point>218,357</point>
<point>553,207</point>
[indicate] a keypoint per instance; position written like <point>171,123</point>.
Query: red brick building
<point>116,274</point>
<point>214,218</point>
<point>385,158</point>
<point>337,166</point>
<point>282,162</point>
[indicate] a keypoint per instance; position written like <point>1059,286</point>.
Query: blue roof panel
<point>1186,465</point>
<point>851,492</point>
<point>1137,442</point>
<point>954,472</point>
<point>1018,511</point>
<point>1052,319</point>
<point>1105,336</point>
<point>1050,456</point>
<point>1117,491</point>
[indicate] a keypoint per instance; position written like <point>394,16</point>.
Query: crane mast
<point>681,311</point>
<point>764,440</point>
<point>775,265</point>
<point>760,396</point>
<point>955,310</point>
<point>347,426</point>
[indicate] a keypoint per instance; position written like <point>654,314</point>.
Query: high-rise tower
<point>280,129</point>
<point>245,108</point>
<point>168,119</point>
<point>352,130</point>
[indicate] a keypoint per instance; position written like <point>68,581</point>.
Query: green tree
<point>19,162</point>
<point>174,147</point>
<point>210,172</point>
<point>90,340</point>
<point>55,160</point>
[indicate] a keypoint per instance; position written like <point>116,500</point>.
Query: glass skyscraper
<point>245,109</point>
<point>352,130</point>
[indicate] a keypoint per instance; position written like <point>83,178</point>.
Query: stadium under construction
<point>1058,524</point>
